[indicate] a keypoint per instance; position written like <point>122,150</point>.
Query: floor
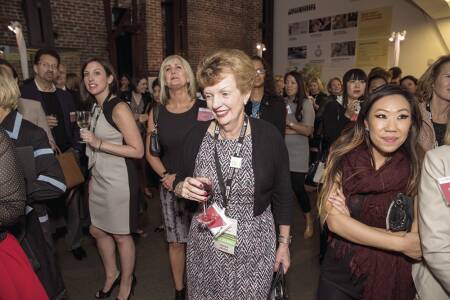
<point>83,278</point>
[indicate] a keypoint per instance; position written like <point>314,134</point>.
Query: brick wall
<point>79,28</point>
<point>80,25</point>
<point>222,24</point>
<point>81,32</point>
<point>154,34</point>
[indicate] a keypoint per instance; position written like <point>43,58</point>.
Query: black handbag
<point>155,147</point>
<point>400,214</point>
<point>278,290</point>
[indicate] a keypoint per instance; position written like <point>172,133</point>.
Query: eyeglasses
<point>47,66</point>
<point>260,71</point>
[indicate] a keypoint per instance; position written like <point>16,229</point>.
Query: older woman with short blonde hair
<point>238,167</point>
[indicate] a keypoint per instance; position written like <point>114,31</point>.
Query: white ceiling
<point>436,9</point>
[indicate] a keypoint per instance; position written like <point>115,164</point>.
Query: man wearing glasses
<point>264,103</point>
<point>57,104</point>
<point>59,108</point>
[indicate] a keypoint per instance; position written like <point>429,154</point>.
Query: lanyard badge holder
<point>444,184</point>
<point>225,237</point>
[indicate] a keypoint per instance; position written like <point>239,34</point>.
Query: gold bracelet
<point>99,146</point>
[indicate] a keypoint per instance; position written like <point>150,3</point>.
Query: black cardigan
<point>270,165</point>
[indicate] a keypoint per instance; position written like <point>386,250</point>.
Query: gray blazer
<point>33,112</point>
<point>432,275</point>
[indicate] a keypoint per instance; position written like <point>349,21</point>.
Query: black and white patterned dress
<point>213,274</point>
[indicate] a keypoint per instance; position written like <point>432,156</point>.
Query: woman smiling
<point>245,163</point>
<point>368,166</point>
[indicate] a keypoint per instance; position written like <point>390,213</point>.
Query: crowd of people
<point>231,147</point>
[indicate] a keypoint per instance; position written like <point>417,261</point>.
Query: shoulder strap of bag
<point>57,150</point>
<point>156,115</point>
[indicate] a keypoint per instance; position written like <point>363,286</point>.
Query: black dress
<point>172,129</point>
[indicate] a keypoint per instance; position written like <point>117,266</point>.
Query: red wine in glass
<point>206,218</point>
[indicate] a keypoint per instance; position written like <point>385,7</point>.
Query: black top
<point>321,100</point>
<point>333,122</point>
<point>439,130</point>
<point>270,163</point>
<point>272,109</point>
<point>12,185</point>
<point>172,129</point>
<point>52,107</point>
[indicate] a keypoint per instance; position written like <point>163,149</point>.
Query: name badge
<point>226,242</point>
<point>236,162</point>
<point>444,184</point>
<point>204,114</point>
<point>220,223</point>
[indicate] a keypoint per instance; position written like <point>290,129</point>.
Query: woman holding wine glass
<point>83,120</point>
<point>240,166</point>
<point>113,141</point>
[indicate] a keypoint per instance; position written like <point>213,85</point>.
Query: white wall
<point>423,43</point>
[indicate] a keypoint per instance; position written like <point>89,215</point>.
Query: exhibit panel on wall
<point>336,43</point>
<point>332,36</point>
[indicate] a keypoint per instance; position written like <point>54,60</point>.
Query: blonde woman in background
<point>433,93</point>
<point>178,112</point>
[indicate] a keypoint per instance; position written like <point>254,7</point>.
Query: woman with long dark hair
<point>113,140</point>
<point>368,166</point>
<point>336,116</point>
<point>299,126</point>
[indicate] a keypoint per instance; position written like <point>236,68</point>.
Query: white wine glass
<point>83,120</point>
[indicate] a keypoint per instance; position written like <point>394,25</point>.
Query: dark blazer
<point>30,91</point>
<point>270,162</point>
<point>49,182</point>
<point>333,122</point>
<point>272,110</point>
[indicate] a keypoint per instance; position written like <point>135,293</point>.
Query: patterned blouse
<point>12,185</point>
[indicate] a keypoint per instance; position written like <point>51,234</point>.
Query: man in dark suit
<point>59,108</point>
<point>264,103</point>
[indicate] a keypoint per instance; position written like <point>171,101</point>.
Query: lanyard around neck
<point>225,186</point>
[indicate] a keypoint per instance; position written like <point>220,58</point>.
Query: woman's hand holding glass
<point>193,188</point>
<point>89,137</point>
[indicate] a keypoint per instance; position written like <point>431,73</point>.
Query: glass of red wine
<point>206,218</point>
